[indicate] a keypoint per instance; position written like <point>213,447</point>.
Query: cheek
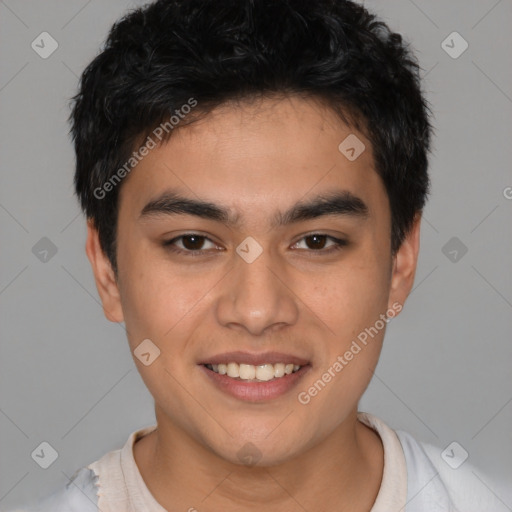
<point>156,300</point>
<point>162,307</point>
<point>351,303</point>
<point>351,297</point>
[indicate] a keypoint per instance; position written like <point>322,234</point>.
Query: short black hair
<point>171,53</point>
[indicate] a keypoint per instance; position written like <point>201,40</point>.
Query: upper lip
<point>255,359</point>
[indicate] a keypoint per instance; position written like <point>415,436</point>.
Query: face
<point>250,243</point>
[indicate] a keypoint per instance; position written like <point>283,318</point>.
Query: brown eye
<point>316,241</point>
<point>193,242</point>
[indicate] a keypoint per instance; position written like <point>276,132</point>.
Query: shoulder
<point>435,478</point>
<point>82,492</point>
<point>79,495</point>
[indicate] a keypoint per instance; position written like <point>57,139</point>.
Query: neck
<point>343,472</point>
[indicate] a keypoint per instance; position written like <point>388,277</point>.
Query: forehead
<point>260,155</point>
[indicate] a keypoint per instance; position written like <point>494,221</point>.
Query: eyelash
<point>168,244</point>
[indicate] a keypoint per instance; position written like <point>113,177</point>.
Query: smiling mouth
<point>254,373</point>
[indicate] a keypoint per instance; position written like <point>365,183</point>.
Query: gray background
<point>67,376</point>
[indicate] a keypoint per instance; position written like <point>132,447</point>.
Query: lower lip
<point>256,391</point>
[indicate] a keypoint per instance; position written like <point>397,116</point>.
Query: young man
<point>253,173</point>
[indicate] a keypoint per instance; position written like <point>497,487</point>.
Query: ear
<point>404,265</point>
<point>104,276</point>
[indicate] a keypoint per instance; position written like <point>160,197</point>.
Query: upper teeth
<point>262,372</point>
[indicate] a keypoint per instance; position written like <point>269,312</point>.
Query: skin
<point>255,159</point>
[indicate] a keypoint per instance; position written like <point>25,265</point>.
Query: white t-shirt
<point>415,479</point>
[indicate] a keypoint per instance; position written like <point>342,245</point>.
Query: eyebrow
<point>337,203</point>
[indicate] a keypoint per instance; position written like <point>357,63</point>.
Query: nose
<point>259,296</point>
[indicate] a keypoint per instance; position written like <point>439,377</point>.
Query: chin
<point>260,450</point>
